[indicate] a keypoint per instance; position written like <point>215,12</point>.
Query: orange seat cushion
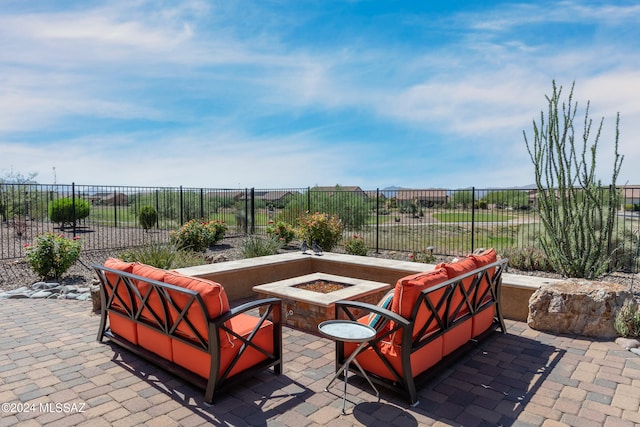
<point>199,362</point>
<point>421,360</point>
<point>457,336</point>
<point>123,326</point>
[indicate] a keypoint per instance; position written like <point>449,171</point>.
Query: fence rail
<point>449,222</point>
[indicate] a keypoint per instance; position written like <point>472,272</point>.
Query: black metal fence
<point>448,222</point>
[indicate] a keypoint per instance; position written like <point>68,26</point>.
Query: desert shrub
<point>356,246</point>
<point>528,259</point>
<point>424,256</point>
<point>281,230</point>
<point>51,255</point>
<point>61,211</point>
<point>199,235</point>
<point>322,229</point>
<point>255,246</point>
<point>627,322</point>
<point>148,217</point>
<point>166,256</point>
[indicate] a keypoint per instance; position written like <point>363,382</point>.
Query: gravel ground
<point>16,273</point>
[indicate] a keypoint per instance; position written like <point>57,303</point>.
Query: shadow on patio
<point>49,354</point>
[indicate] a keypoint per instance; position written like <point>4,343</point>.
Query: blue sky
<point>266,94</point>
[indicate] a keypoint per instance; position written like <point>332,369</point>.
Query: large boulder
<point>578,307</point>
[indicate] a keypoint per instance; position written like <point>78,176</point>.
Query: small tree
<point>67,210</point>
<point>148,217</point>
<point>576,210</point>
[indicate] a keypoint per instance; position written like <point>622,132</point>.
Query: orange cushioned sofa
<point>427,321</point>
<point>185,325</point>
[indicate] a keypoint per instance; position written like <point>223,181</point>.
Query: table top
<point>346,330</point>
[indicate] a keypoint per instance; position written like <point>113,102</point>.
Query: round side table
<point>348,331</point>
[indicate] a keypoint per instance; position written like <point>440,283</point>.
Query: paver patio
<point>53,372</point>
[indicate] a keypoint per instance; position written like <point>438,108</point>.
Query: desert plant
<point>627,322</point>
<point>282,231</point>
<point>527,258</point>
<point>424,256</point>
<point>198,235</point>
<point>66,210</point>
<point>576,211</point>
<point>322,229</point>
<point>51,255</point>
<point>356,246</point>
<point>161,255</point>
<point>148,217</point>
<point>255,246</point>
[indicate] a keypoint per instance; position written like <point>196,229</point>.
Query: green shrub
<point>199,235</point>
<point>356,246</point>
<point>282,231</point>
<point>627,323</point>
<point>528,258</point>
<point>166,256</point>
<point>51,255</point>
<point>61,211</point>
<point>322,229</point>
<point>148,217</point>
<point>255,246</point>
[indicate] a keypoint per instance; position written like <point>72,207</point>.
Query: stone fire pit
<point>304,308</point>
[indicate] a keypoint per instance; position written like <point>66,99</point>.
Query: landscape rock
<point>41,294</point>
<point>45,290</point>
<point>635,351</point>
<point>627,343</point>
<point>578,307</point>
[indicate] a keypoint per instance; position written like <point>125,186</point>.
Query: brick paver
<point>53,372</point>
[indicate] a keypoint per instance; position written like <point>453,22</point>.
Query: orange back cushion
<point>485,258</point>
<point>213,296</point>
<point>406,295</point>
<point>127,267</point>
<point>455,269</point>
<point>154,300</point>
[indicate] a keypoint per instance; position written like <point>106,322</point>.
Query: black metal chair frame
<point>475,299</point>
<point>271,308</point>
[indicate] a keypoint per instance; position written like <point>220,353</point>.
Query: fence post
<point>73,207</point>
<point>115,208</point>
<point>246,210</point>
<point>157,209</point>
<point>377,220</point>
<point>473,218</point>
<point>202,203</point>
<point>308,199</point>
<point>181,207</point>
<point>253,210</point>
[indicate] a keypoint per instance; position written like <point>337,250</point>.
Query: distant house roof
<point>346,188</point>
<point>226,194</point>
<point>430,194</point>
<point>631,192</point>
<point>372,194</point>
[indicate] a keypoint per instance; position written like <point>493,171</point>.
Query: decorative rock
<point>578,307</point>
<point>41,294</point>
<point>96,298</point>
<point>635,351</point>
<point>627,343</point>
<point>45,285</point>
<point>212,259</point>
